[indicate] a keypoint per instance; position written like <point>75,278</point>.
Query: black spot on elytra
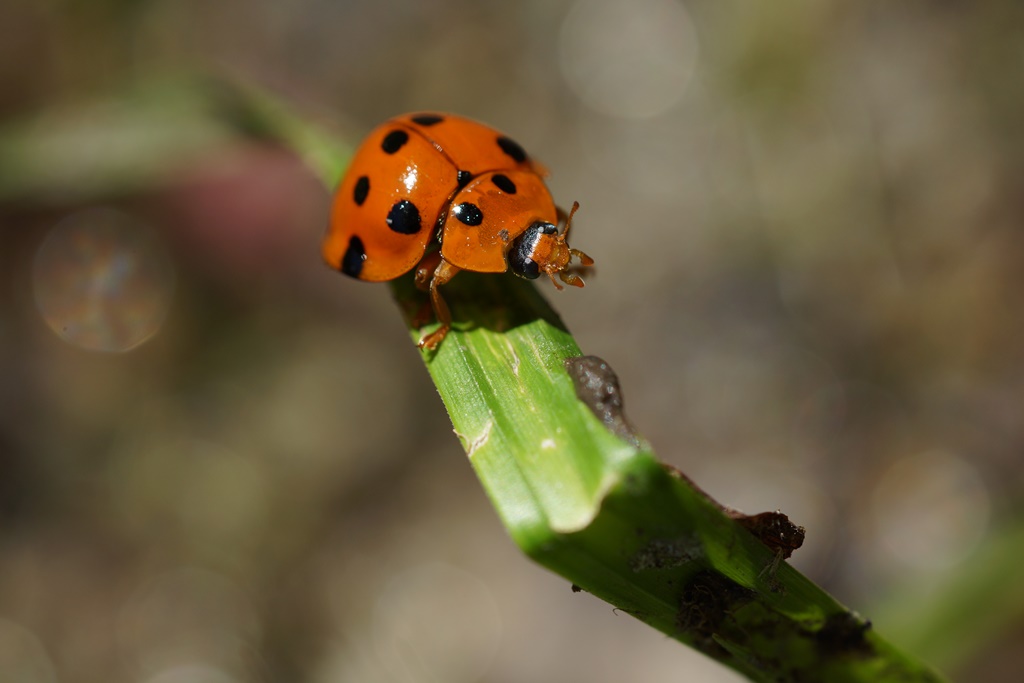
<point>427,119</point>
<point>464,177</point>
<point>352,261</point>
<point>394,141</point>
<point>504,183</point>
<point>512,148</point>
<point>361,190</point>
<point>468,213</point>
<point>404,218</point>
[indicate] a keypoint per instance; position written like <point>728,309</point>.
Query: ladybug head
<point>541,249</point>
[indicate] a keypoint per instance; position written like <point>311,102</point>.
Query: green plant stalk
<point>139,139</point>
<point>607,516</point>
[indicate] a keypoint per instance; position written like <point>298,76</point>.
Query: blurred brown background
<point>222,463</point>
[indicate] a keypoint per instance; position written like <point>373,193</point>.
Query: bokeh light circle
<point>102,280</point>
<point>931,509</point>
<point>628,58</point>
<point>186,615</point>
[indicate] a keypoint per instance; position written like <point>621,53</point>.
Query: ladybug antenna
<point>568,222</point>
<point>569,278</point>
<point>583,258</point>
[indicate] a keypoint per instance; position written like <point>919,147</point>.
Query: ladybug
<point>442,193</point>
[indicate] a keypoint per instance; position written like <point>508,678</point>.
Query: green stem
<point>602,512</point>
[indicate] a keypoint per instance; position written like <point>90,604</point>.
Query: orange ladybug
<point>425,175</point>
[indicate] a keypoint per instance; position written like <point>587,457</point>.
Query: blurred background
<point>222,463</point>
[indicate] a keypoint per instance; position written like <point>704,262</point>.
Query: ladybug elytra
<point>426,175</point>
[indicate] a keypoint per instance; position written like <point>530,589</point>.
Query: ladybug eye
<point>521,256</point>
<point>522,265</point>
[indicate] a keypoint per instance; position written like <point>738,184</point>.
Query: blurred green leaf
<point>140,139</point>
<point>951,618</point>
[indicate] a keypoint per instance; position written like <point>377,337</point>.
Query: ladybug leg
<point>444,272</point>
<point>421,278</point>
<point>423,315</point>
<point>425,270</point>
